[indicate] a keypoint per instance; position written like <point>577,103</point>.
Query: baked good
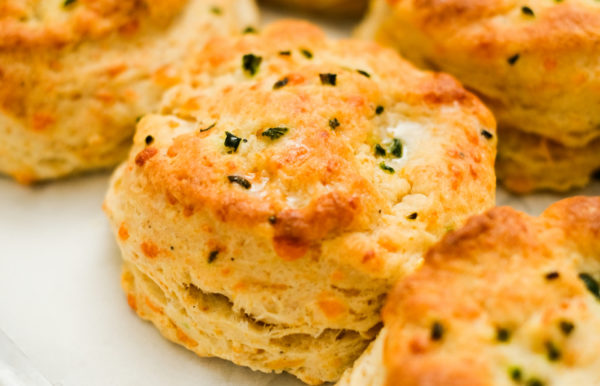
<point>76,74</point>
<point>334,8</point>
<point>535,64</point>
<point>507,300</point>
<point>285,184</point>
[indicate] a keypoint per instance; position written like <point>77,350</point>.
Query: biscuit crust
<point>334,8</point>
<point>74,78</point>
<point>535,65</point>
<point>261,182</point>
<point>508,298</point>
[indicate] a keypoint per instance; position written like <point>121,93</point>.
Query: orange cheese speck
<point>149,249</point>
<point>123,233</point>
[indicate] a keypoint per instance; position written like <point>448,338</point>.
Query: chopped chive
<point>251,63</point>
<point>566,327</point>
<point>552,351</point>
<point>364,73</point>
<point>527,11</point>
<point>515,374</point>
<point>138,119</point>
<point>208,128</point>
<point>232,141</point>
<point>149,139</point>
<point>513,59</point>
<point>379,110</point>
<point>502,335</point>
<point>328,79</point>
<point>66,3</point>
<point>412,216</point>
<point>534,382</point>
<point>486,134</point>
<point>396,149</point>
<point>379,150</point>
<point>216,10</point>
<point>591,284</point>
<point>307,54</point>
<point>334,123</point>
<point>240,181</point>
<point>212,256</point>
<point>280,83</point>
<point>437,331</point>
<point>250,30</point>
<point>386,168</point>
<point>275,132</point>
<point>272,220</point>
<point>285,53</point>
<point>552,275</point>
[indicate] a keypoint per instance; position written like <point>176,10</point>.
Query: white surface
<point>61,301</point>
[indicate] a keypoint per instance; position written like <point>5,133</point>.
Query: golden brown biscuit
<point>328,7</point>
<point>507,300</point>
<point>285,185</point>
<point>536,64</point>
<point>75,75</point>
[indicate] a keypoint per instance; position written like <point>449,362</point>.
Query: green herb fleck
<point>275,132</point>
<point>66,3</point>
<point>272,220</point>
<point>232,141</point>
<point>386,168</point>
<point>591,284</point>
<point>285,53</point>
<point>138,119</point>
<point>534,382</point>
<point>396,149</point>
<point>334,123</point>
<point>250,30</point>
<point>515,374</point>
<point>513,59</point>
<point>412,216</point>
<point>486,134</point>
<point>251,63</point>
<point>566,327</point>
<point>212,256</point>
<point>380,151</point>
<point>149,139</point>
<point>502,335</point>
<point>328,79</point>
<point>280,83</point>
<point>552,275</point>
<point>208,128</point>
<point>240,181</point>
<point>437,331</point>
<point>379,110</point>
<point>527,11</point>
<point>216,10</point>
<point>364,73</point>
<point>307,54</point>
<point>552,351</point>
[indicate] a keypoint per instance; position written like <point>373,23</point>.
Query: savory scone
<point>265,212</point>
<point>507,300</point>
<point>75,74</point>
<point>333,8</point>
<point>536,64</point>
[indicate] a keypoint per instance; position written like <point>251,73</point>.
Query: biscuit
<point>508,299</point>
<point>75,75</point>
<point>285,185</point>
<point>329,7</point>
<point>536,65</point>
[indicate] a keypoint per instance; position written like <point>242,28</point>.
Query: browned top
<point>504,272</point>
<point>321,177</point>
<point>36,23</point>
<point>491,27</point>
